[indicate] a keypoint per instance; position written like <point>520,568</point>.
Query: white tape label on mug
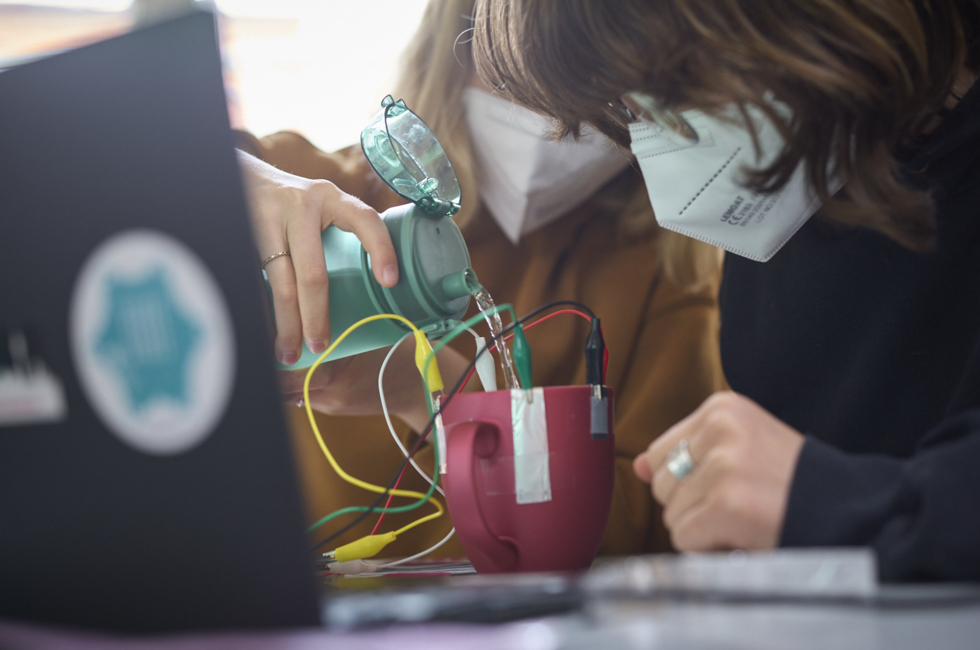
<point>532,472</point>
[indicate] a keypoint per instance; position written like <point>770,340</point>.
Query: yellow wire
<point>434,515</point>
<point>370,487</point>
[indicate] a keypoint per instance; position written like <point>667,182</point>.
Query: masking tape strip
<point>498,474</point>
<point>532,473</point>
<point>485,367</point>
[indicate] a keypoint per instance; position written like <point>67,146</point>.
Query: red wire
<point>534,324</point>
<point>492,348</point>
<point>390,495</point>
<point>605,355</point>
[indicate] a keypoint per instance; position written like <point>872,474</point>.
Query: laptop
<point>146,476</point>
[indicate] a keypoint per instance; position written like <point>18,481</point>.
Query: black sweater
<point>873,351</point>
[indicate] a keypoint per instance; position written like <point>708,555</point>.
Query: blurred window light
<point>317,67</point>
<point>33,29</point>
<point>265,8</point>
<point>92,5</point>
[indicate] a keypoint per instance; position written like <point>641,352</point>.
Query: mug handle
<point>466,442</point>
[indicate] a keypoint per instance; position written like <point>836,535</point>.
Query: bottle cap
<point>405,152</point>
<point>435,277</point>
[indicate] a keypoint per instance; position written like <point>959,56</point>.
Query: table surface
<point>641,624</point>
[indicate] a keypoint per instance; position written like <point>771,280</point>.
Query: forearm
<point>919,514</point>
<point>257,175</point>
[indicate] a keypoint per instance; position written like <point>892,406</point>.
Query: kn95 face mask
<point>525,179</point>
<point>697,187</point>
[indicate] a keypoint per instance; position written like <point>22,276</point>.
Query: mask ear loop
<point>620,114</point>
<point>641,107</point>
<point>649,109</point>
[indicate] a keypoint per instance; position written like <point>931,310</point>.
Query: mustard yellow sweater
<point>663,345</point>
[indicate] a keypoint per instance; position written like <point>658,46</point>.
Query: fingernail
<point>289,358</point>
<point>299,402</point>
<point>316,347</point>
<point>390,274</point>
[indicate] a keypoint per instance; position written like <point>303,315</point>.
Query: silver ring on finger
<point>273,257</point>
<point>679,461</point>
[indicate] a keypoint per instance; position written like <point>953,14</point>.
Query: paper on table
<point>804,573</point>
<point>420,567</point>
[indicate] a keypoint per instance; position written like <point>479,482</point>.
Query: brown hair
<point>862,78</point>
<point>434,70</point>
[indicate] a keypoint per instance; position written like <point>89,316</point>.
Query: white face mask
<point>526,180</point>
<point>697,189</point>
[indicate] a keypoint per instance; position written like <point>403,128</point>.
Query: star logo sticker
<point>147,340</point>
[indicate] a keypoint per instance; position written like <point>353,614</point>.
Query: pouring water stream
<point>486,305</point>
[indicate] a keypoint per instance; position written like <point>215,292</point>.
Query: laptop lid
<point>146,478</point>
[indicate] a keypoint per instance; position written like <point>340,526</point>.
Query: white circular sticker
<point>152,341</point>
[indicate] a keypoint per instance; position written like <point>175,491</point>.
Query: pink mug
<point>537,510</point>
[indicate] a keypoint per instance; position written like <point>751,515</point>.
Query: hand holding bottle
<point>288,215</point>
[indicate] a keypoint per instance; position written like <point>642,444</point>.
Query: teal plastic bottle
<point>435,279</point>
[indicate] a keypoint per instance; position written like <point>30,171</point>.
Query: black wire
<point>557,303</point>
<point>455,390</point>
<point>391,484</point>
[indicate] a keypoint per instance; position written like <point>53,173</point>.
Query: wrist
<point>416,416</point>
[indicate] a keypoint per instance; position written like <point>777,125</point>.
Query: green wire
<point>336,513</point>
<point>459,329</point>
<point>470,322</point>
<point>432,487</point>
<point>412,506</point>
